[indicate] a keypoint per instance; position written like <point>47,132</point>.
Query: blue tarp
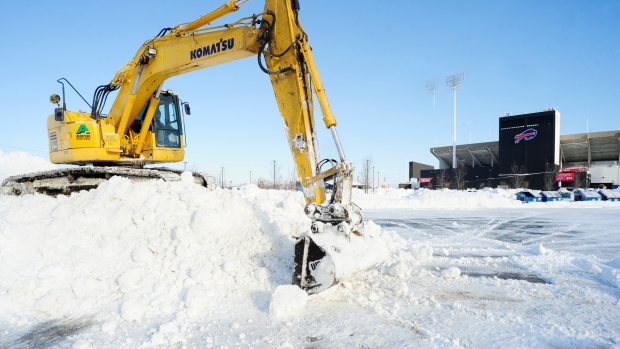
<point>528,196</point>
<point>585,195</point>
<point>610,195</point>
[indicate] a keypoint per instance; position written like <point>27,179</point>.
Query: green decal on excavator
<point>82,129</point>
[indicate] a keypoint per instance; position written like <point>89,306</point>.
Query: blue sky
<point>374,59</point>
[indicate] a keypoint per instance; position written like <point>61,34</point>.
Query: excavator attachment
<point>336,249</point>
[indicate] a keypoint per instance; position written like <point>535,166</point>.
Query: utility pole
<point>373,179</point>
<point>250,177</point>
<point>222,179</point>
<point>454,82</point>
<point>367,176</point>
<point>274,174</point>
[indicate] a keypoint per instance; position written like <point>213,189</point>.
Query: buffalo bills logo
<point>528,134</point>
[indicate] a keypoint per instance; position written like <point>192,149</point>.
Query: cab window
<point>166,123</point>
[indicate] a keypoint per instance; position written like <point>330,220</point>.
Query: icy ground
<point>159,264</point>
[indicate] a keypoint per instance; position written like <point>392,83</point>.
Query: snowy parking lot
<point>166,264</point>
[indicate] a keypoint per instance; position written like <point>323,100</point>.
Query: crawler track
<point>67,180</point>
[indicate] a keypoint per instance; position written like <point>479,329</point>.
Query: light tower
<point>431,89</point>
<point>453,83</point>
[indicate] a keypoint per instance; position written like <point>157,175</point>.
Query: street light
<point>454,82</point>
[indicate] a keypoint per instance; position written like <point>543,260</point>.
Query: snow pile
<point>142,250</point>
<point>19,162</point>
<point>287,300</point>
<point>435,199</point>
<point>447,199</point>
<point>452,272</point>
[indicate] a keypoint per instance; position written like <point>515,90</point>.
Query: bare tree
<point>549,176</point>
<point>458,177</point>
<point>292,180</point>
<point>442,179</point>
<point>579,180</point>
<point>365,176</point>
<point>263,183</point>
<point>518,175</point>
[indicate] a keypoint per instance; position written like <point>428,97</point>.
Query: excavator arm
<point>337,246</point>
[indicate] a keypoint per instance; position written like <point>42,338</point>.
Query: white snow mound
<point>148,249</point>
<point>287,300</point>
<point>19,162</point>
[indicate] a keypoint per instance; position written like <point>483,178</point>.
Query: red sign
<point>565,177</point>
<point>425,180</point>
<point>575,169</point>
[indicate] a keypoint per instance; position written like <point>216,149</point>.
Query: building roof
<point>470,155</point>
<point>581,147</point>
<point>596,146</point>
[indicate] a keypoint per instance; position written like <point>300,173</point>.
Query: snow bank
<point>147,250</point>
<point>170,264</point>
<point>391,198</point>
<point>20,162</point>
<point>447,199</point>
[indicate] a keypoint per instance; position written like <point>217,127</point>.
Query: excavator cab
<point>167,121</point>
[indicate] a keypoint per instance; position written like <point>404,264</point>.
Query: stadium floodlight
<point>453,83</point>
<point>431,89</point>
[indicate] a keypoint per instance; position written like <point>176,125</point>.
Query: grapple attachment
<point>336,249</point>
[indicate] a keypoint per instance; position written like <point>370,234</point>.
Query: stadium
<point>530,153</point>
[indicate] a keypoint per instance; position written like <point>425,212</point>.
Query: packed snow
<point>19,162</point>
<point>170,264</point>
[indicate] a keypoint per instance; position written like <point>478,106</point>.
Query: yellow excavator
<point>144,126</point>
